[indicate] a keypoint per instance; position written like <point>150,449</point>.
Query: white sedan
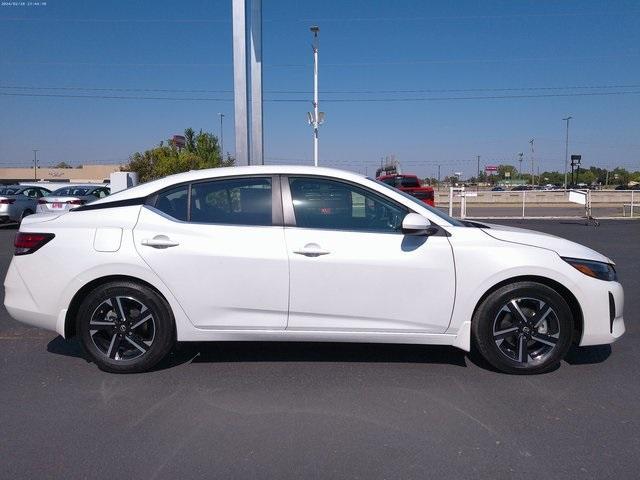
<point>303,254</point>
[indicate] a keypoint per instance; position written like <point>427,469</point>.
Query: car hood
<point>562,247</point>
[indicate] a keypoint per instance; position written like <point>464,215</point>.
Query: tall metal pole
<point>35,164</point>
<point>566,152</point>
<point>315,31</point>
<point>533,177</point>
<point>221,136</point>
<point>257,150</point>
<point>240,82</point>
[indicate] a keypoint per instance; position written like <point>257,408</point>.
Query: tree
<point>62,165</point>
<point>201,150</point>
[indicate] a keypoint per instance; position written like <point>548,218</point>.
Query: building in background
<point>83,174</point>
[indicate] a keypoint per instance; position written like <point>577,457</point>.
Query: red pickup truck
<point>411,185</point>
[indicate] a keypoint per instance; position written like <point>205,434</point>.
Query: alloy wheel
<point>526,330</point>
<point>122,328</point>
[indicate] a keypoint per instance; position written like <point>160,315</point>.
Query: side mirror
<point>414,224</point>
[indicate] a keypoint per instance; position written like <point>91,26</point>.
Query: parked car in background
<point>18,201</point>
<point>520,188</point>
<point>411,185</point>
<point>66,198</point>
<point>497,188</point>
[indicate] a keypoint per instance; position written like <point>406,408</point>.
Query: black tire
<point>137,348</point>
<point>507,337</point>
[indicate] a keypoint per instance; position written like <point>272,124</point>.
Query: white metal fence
<point>469,203</point>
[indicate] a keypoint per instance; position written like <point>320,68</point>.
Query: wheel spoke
<point>114,346</point>
<point>540,315</point>
<point>546,339</point>
<point>522,350</point>
<point>517,314</point>
<point>137,342</point>
<point>140,322</point>
<point>99,325</point>
<point>117,307</point>
<point>507,332</point>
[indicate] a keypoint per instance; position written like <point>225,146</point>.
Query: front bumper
<point>602,310</point>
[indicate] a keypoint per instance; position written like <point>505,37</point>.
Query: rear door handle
<point>159,241</point>
<point>311,250</point>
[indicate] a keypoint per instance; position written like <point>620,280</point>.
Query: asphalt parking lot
<point>281,410</point>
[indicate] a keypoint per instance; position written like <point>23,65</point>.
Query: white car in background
<point>303,254</point>
<point>68,197</point>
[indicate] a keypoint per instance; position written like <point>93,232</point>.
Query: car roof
<point>148,188</point>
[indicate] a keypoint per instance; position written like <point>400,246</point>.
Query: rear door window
<point>234,201</point>
<point>174,202</point>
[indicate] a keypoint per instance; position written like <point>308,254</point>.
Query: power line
<point>339,65</point>
<point>305,92</point>
<point>334,100</point>
<point>323,20</point>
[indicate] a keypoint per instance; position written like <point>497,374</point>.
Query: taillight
<point>42,201</point>
<point>7,201</point>
<point>26,243</point>
<point>76,201</point>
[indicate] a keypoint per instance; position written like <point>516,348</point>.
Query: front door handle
<point>159,241</point>
<point>311,250</point>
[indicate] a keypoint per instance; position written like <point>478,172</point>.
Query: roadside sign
<point>575,160</point>
<point>507,174</point>
<point>491,168</point>
<point>576,196</point>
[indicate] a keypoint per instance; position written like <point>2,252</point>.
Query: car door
<point>28,200</point>
<point>219,247</point>
<point>352,269</point>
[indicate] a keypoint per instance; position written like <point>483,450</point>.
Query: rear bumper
<point>21,305</point>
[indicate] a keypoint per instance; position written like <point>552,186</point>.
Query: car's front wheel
<point>524,327</point>
<point>125,327</point>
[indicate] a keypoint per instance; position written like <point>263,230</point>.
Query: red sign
<point>490,168</point>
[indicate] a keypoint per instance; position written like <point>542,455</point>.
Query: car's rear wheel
<point>125,327</point>
<point>524,328</point>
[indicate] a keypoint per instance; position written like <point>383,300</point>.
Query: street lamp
<point>566,152</point>
<point>35,164</point>
<point>221,136</point>
<point>314,119</point>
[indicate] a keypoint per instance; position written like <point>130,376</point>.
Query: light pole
<point>315,120</point>
<point>35,164</point>
<point>566,152</point>
<point>520,155</point>
<point>532,174</point>
<point>221,136</point>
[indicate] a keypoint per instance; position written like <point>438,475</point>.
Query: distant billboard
<point>491,168</point>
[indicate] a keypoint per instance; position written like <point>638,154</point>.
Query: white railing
<point>467,203</point>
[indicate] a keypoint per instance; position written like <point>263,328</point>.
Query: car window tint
<point>323,203</point>
<point>238,201</point>
<point>174,202</point>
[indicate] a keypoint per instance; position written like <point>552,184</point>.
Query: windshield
<point>409,182</point>
<point>70,192</point>
<point>433,210</point>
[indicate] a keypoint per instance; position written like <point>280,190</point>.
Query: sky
<point>424,81</point>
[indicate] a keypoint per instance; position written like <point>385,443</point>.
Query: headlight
<point>599,270</point>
